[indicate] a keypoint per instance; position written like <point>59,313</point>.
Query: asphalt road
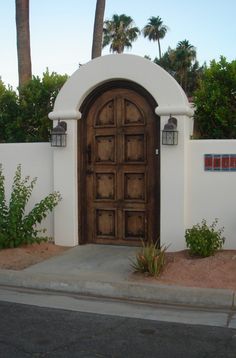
<point>29,331</point>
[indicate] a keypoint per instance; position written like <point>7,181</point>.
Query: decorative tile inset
<point>220,162</point>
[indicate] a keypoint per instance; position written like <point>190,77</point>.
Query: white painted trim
<point>174,110</point>
<point>64,114</point>
<point>159,83</point>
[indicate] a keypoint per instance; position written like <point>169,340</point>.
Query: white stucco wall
<point>36,160</point>
<point>65,181</point>
<point>188,193</point>
<point>174,181</point>
<point>211,194</point>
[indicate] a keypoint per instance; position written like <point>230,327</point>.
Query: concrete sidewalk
<point>105,271</point>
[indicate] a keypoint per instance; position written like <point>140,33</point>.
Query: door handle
<point>89,154</point>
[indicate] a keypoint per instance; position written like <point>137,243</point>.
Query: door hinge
<point>157,151</point>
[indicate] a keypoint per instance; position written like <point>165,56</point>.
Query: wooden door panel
<point>121,169</point>
<point>105,221</point>
<point>105,186</point>
<point>134,225</point>
<point>132,114</point>
<point>105,115</point>
<point>105,149</point>
<point>134,148</point>
<point>134,187</point>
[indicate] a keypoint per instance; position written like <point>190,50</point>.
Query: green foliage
<point>181,63</point>
<point>16,227</point>
<point>24,117</point>
<point>9,112</point>
<point>215,101</point>
<point>203,240</point>
<point>150,259</point>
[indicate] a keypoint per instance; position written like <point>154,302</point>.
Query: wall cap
<point>64,114</point>
<point>174,110</point>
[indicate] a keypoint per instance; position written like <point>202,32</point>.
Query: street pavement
<point>86,276</point>
<point>28,331</point>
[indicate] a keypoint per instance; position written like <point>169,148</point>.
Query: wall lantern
<point>170,133</point>
<point>58,135</point>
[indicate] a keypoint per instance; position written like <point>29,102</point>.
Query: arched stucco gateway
<point>161,86</point>
<point>171,99</point>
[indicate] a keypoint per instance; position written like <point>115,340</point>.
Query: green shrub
<point>215,102</point>
<point>150,259</point>
<point>16,227</point>
<point>203,240</point>
<point>24,116</point>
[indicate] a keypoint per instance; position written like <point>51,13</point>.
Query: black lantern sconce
<point>58,135</point>
<point>170,133</point>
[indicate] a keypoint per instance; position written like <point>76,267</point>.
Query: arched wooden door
<point>121,181</point>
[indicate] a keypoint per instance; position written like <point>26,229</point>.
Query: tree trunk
<point>98,28</point>
<point>159,48</point>
<point>23,41</point>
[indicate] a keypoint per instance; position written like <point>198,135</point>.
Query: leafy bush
<point>215,102</point>
<point>24,116</point>
<point>150,259</point>
<point>203,240</point>
<point>9,111</point>
<point>16,227</point>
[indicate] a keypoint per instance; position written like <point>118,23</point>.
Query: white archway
<point>171,99</point>
<point>163,88</point>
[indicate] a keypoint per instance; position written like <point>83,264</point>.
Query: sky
<point>61,31</point>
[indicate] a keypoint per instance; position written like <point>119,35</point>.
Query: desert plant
<point>17,227</point>
<point>150,259</point>
<point>203,240</point>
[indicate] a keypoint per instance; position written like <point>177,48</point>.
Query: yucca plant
<point>150,259</point>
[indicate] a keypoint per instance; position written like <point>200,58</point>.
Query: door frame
<point>81,148</point>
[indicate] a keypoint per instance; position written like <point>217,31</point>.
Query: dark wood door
<point>122,169</point>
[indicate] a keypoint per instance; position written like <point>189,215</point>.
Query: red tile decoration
<point>217,162</point>
<point>233,162</point>
<point>220,162</point>
<point>208,162</point>
<point>225,162</point>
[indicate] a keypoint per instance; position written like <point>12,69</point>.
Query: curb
<point>128,290</point>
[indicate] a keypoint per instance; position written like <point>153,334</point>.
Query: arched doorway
<point>69,163</point>
<point>119,166</point>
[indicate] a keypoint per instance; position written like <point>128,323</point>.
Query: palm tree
<point>188,77</point>
<point>119,33</point>
<point>23,41</point>
<point>155,30</point>
<point>185,54</point>
<point>98,28</point>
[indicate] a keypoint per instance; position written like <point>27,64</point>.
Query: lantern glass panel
<point>58,140</point>
<point>169,137</point>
